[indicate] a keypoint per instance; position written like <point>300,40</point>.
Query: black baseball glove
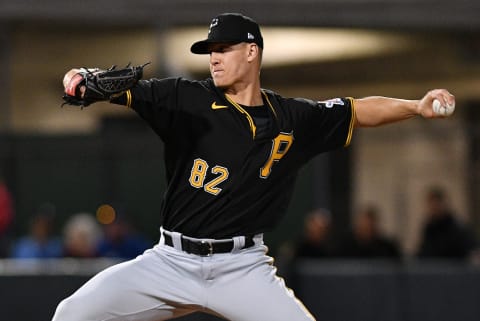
<point>91,85</point>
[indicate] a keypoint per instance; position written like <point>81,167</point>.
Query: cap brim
<point>202,47</point>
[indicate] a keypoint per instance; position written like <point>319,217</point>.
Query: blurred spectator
<point>315,241</point>
<point>443,236</point>
<point>81,235</point>
<point>121,241</point>
<point>366,240</point>
<point>40,243</point>
<point>6,217</point>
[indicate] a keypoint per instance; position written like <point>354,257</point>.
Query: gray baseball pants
<point>165,283</point>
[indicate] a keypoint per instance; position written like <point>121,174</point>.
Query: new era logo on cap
<point>229,28</point>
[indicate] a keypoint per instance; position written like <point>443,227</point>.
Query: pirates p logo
<point>213,24</point>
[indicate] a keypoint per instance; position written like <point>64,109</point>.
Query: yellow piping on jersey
<point>129,98</point>
<point>246,114</point>
<point>269,103</point>
<point>352,122</point>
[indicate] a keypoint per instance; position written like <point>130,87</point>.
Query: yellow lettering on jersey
<point>280,146</point>
<point>211,187</point>
<point>198,173</point>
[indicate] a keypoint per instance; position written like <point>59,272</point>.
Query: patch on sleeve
<point>331,102</point>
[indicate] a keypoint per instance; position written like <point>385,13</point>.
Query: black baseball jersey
<point>229,175</point>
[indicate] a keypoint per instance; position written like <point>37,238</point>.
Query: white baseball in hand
<point>442,110</point>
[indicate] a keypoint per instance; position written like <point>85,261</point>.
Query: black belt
<point>205,247</point>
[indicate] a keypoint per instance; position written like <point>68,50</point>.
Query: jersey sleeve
<point>155,101</point>
<point>326,125</point>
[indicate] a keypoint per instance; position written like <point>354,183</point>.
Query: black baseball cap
<point>229,28</point>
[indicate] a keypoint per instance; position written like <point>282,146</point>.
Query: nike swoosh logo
<point>215,106</point>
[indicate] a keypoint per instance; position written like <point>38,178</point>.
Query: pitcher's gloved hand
<point>89,85</point>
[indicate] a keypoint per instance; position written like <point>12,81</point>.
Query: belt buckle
<point>209,248</point>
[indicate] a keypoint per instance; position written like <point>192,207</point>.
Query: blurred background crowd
<point>106,233</point>
<point>442,236</point>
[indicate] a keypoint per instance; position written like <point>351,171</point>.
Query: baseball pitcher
<point>232,154</point>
